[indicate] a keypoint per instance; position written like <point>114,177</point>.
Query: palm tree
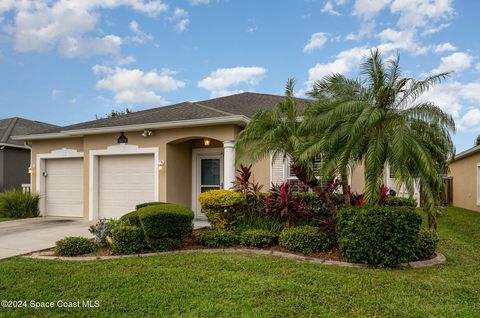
<point>380,120</point>
<point>277,132</point>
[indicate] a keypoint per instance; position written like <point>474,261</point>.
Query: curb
<point>438,259</point>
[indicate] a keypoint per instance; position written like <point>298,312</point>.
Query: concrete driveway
<point>28,235</point>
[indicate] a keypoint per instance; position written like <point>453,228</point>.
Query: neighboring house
<point>103,168</point>
<point>15,154</point>
<point>463,180</point>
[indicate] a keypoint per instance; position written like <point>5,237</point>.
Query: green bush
<point>257,238</point>
<point>305,239</point>
<point>379,236</point>
<point>128,239</point>
<point>166,225</point>
<point>74,245</point>
<point>142,205</point>
<point>131,218</point>
<point>223,208</point>
<point>218,238</point>
<point>260,222</point>
<point>427,245</point>
<point>399,201</point>
<point>16,204</point>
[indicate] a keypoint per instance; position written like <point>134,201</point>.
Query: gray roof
<point>19,126</point>
<point>245,104</point>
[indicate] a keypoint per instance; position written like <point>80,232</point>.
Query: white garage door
<point>123,182</point>
<point>64,187</point>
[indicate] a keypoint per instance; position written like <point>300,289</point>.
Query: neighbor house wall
<point>358,178</point>
<point>15,165</point>
<point>464,177</point>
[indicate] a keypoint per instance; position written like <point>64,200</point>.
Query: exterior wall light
<point>31,169</point>
<point>122,139</point>
<point>206,142</point>
<point>147,133</point>
<point>161,164</point>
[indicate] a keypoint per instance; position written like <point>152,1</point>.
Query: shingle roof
<point>19,126</point>
<point>245,104</point>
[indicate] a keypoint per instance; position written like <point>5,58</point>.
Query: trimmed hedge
<point>305,239</point>
<point>258,238</point>
<point>16,204</point>
<point>142,205</point>
<point>131,218</point>
<point>381,236</point>
<point>74,245</point>
<point>427,245</point>
<point>223,208</point>
<point>218,238</point>
<point>128,239</point>
<point>166,225</point>
<point>399,201</point>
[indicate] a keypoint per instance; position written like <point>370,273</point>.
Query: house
<point>103,168</point>
<point>463,182</point>
<point>15,154</point>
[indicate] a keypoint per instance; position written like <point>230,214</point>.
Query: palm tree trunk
<point>345,190</point>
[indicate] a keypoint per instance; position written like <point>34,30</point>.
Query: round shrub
<point>128,239</point>
<point>142,205</point>
<point>257,238</point>
<point>305,239</point>
<point>218,238</point>
<point>378,236</point>
<point>74,245</point>
<point>131,218</point>
<point>223,208</point>
<point>399,201</point>
<point>166,225</point>
<point>427,244</point>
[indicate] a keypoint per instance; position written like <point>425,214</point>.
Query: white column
<point>228,164</point>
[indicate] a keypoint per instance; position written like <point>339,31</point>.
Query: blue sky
<point>66,61</point>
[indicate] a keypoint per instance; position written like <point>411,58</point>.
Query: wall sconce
<point>122,139</point>
<point>161,164</point>
<point>31,169</point>
<point>146,133</point>
<point>206,142</point>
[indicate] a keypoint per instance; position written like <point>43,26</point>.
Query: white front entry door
<point>207,175</point>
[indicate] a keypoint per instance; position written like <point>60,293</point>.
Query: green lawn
<point>255,286</point>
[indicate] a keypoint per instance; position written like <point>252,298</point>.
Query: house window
<point>293,181</point>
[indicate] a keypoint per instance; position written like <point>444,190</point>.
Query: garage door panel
<point>64,187</point>
<point>123,182</point>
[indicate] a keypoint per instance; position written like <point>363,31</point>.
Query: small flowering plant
<point>102,230</point>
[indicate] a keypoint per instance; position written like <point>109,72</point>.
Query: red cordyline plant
<point>243,184</point>
<point>283,205</point>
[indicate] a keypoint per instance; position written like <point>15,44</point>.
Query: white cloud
<point>367,9</point>
<point>444,47</point>
<point>341,2</point>
<point>317,40</point>
<point>344,62</point>
<point>404,40</point>
<point>133,86</point>
<point>328,8</point>
<point>470,120</point>
<point>55,92</point>
<point>199,2</point>
<point>65,25</point>
<point>181,18</point>
<point>225,81</point>
<point>140,36</point>
<point>456,62</point>
<point>421,13</point>
<point>435,29</point>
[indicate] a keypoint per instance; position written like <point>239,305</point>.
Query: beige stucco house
<point>103,168</point>
<point>464,177</point>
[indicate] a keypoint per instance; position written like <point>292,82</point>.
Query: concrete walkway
<point>29,235</point>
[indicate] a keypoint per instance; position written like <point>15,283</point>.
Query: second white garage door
<point>123,182</point>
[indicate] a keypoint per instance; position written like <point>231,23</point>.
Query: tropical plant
<point>277,132</point>
<point>380,119</point>
<point>283,205</point>
<point>243,184</point>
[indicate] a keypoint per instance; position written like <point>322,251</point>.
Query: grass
<point>221,285</point>
<point>6,219</point>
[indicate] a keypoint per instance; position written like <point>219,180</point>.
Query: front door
<point>208,175</point>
